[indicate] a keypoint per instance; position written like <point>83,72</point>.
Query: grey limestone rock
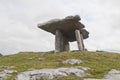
<point>6,73</point>
<point>50,74</point>
<point>72,61</point>
<point>112,75</point>
<point>83,68</point>
<point>7,67</point>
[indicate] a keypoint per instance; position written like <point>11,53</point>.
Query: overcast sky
<point>19,19</point>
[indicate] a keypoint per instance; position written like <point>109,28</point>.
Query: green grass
<point>99,62</point>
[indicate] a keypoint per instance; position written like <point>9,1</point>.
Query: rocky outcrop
<point>7,67</point>
<point>50,73</point>
<point>5,73</point>
<point>112,75</point>
<point>72,61</point>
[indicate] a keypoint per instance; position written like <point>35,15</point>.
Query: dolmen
<point>66,30</point>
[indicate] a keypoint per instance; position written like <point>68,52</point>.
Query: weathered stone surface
<point>61,43</point>
<point>67,26</point>
<point>83,68</point>
<point>79,39</point>
<point>72,61</point>
<point>112,75</point>
<point>99,79</point>
<point>6,67</point>
<point>9,71</point>
<point>50,74</point>
<point>84,33</point>
<point>1,54</point>
<point>5,73</point>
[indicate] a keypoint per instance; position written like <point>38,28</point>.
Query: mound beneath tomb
<point>76,64</point>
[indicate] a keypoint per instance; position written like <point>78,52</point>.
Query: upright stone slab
<point>79,40</point>
<point>82,41</point>
<point>58,41</point>
<point>61,43</point>
<point>66,45</point>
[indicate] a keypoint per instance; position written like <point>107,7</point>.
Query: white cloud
<point>19,19</point>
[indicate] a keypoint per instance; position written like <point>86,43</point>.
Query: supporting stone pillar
<point>82,42</point>
<point>58,41</point>
<point>61,43</point>
<point>66,45</point>
<point>79,39</point>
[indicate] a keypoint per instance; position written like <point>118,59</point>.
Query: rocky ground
<point>54,73</point>
<point>6,72</point>
<point>112,75</point>
<point>49,74</point>
<point>62,66</point>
